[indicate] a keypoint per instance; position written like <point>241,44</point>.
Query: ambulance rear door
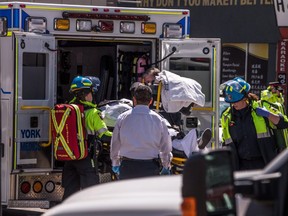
<point>198,59</point>
<point>34,97</point>
<point>6,113</point>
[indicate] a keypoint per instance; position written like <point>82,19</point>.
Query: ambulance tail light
<point>37,187</point>
<point>171,30</point>
<point>25,187</point>
<point>36,24</point>
<point>3,26</point>
<point>49,186</point>
<point>127,27</point>
<point>148,28</point>
<point>61,24</point>
<point>84,25</point>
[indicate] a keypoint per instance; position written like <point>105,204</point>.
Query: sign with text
<point>209,18</point>
<point>249,61</point>
<point>282,61</point>
<point>233,61</point>
<point>203,3</point>
<point>282,65</point>
<point>257,67</point>
<point>281,10</point>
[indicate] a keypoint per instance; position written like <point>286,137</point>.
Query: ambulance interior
<point>114,63</point>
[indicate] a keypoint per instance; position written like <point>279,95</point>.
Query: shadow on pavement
<point>21,212</point>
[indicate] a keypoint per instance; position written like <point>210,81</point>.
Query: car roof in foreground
<point>159,195</point>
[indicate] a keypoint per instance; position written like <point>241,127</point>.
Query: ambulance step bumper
<point>44,204</point>
<point>104,177</point>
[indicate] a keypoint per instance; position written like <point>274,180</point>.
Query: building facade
<point>252,46</point>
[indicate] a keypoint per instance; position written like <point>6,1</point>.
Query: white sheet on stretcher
<point>178,92</point>
<point>188,144</point>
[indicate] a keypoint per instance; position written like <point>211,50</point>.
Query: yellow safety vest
<point>259,122</point>
<point>277,108</point>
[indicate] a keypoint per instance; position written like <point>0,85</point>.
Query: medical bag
<point>68,132</point>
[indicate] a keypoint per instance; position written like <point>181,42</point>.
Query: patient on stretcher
<point>185,145</point>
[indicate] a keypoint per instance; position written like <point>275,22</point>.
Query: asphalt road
<point>22,212</point>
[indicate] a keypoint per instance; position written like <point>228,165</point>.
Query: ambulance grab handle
<point>42,108</point>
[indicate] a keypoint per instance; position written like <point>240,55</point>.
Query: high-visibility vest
<point>262,130</point>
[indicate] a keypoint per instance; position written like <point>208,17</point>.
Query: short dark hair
<point>143,94</point>
<point>153,70</point>
<point>81,94</point>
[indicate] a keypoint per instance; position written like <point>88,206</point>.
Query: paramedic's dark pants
<point>256,163</point>
<point>132,168</point>
<point>78,175</point>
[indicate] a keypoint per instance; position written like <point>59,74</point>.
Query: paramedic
<point>95,86</point>
<point>140,137</point>
<point>273,93</point>
<point>273,97</point>
<point>80,174</point>
<point>245,126</point>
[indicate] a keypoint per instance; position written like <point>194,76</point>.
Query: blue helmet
<point>95,83</point>
<point>235,90</point>
<point>246,86</point>
<point>80,83</point>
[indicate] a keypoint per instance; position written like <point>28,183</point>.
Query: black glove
<point>180,135</point>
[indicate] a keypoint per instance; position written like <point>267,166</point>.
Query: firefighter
<point>246,126</point>
<point>273,93</point>
<point>79,174</point>
<point>273,97</point>
<point>140,136</point>
<point>95,86</point>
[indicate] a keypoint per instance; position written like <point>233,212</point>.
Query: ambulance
<point>44,46</point>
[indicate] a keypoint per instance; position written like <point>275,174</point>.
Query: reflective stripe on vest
<point>80,134</point>
<point>60,137</point>
<point>259,122</point>
<point>59,129</point>
<point>277,108</point>
<point>98,132</point>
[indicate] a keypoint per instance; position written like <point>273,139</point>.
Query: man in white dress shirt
<point>140,138</point>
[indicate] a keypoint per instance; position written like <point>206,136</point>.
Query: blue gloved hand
<point>165,171</point>
<point>116,169</point>
<point>262,112</point>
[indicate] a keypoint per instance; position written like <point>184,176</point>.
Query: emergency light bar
<point>148,28</point>
<point>84,25</point>
<point>75,15</point>
<point>61,24</point>
<point>36,24</point>
<point>3,26</point>
<point>171,30</point>
<point>106,26</point>
<point>127,27</point>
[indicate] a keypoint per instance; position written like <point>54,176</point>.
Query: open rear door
<point>34,97</point>
<point>6,114</point>
<point>198,59</point>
